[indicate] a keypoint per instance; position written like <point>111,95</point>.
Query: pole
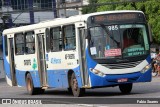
<point>31,12</point>
<point>10,18</point>
<point>54,8</point>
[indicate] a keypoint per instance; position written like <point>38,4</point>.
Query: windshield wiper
<point>107,31</point>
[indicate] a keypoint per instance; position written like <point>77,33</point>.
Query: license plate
<point>123,80</point>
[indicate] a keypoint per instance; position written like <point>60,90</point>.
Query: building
<point>34,11</point>
<point>23,12</point>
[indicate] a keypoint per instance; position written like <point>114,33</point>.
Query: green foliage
<point>106,7</point>
<point>151,8</point>
<point>90,8</point>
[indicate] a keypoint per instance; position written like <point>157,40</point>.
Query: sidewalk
<point>155,79</point>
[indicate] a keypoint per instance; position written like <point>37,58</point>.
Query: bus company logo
<point>6,101</point>
<point>55,61</point>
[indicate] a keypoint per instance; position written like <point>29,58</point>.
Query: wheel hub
<point>29,84</point>
<point>75,84</point>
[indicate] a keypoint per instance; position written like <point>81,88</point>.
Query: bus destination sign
<point>117,17</point>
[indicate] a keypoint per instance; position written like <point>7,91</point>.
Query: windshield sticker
<point>135,51</point>
<point>107,47</point>
<point>113,52</point>
<point>93,50</point>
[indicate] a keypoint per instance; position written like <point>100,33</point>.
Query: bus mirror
<point>150,33</point>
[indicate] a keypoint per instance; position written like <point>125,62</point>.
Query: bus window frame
<point>48,40</point>
<point>63,37</point>
<point>6,44</point>
<point>15,35</point>
<point>25,42</point>
<point>60,39</point>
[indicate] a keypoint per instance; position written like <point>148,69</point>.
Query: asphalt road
<point>99,96</point>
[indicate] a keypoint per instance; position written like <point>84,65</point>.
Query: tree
<point>151,8</point>
<point>90,8</point>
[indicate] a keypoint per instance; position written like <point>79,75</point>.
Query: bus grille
<point>122,65</point>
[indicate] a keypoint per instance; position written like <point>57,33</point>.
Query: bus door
<point>11,62</point>
<point>82,57</point>
<point>41,59</point>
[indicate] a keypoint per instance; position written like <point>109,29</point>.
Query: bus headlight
<point>97,72</point>
<point>146,68</point>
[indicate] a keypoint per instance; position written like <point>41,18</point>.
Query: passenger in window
<point>68,44</point>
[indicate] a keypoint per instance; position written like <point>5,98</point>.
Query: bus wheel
<point>77,92</point>
<point>29,85</point>
<point>70,90</point>
<point>40,90</point>
<point>125,88</point>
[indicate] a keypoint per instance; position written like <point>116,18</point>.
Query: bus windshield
<point>118,41</point>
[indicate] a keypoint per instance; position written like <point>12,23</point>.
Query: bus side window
<point>56,39</point>
<point>48,40</point>
<point>69,39</point>
<point>30,43</point>
<point>19,41</point>
<point>6,45</point>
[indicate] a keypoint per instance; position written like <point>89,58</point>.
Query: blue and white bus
<point>102,49</point>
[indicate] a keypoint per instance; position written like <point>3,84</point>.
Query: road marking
<point>86,105</point>
<point>89,105</point>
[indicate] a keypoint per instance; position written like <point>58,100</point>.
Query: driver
<point>127,41</point>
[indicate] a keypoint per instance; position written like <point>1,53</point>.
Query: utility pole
<point>54,8</point>
<point>31,12</point>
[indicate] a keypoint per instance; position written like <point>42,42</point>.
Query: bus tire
<point>39,90</point>
<point>29,85</point>
<point>70,90</point>
<point>125,88</point>
<point>76,91</point>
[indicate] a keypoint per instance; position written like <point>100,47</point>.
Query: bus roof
<point>60,21</point>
